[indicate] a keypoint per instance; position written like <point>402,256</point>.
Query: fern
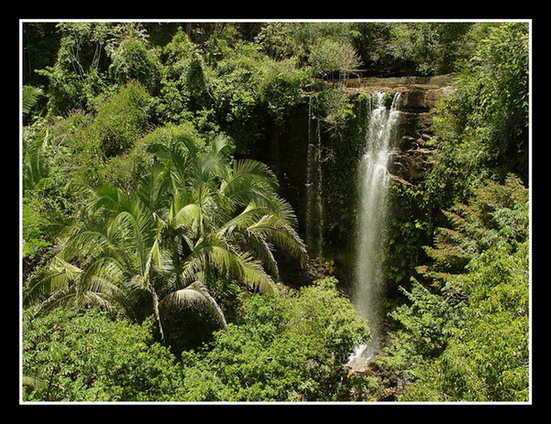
<point>30,98</point>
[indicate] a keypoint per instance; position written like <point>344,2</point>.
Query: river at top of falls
<point>373,182</point>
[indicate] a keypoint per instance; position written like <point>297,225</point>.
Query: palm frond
<point>243,220</point>
<point>105,197</point>
<point>246,179</point>
<point>187,216</point>
<point>260,249</point>
<point>282,234</point>
<point>62,297</point>
<point>221,144</point>
<point>36,169</point>
<point>193,297</point>
<point>104,275</point>
<point>58,276</point>
<point>153,188</point>
<point>240,265</point>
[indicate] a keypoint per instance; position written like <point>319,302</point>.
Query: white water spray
<point>373,185</point>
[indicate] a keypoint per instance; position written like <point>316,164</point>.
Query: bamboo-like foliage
<point>197,216</point>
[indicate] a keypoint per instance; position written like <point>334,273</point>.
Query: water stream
<point>373,182</point>
<point>314,185</point>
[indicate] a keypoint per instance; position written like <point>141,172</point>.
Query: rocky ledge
<point>415,139</point>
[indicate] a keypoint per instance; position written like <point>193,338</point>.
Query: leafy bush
<point>283,349</point>
<point>336,108</point>
<point>334,56</point>
<point>431,48</point>
<point>483,123</point>
<point>281,86</point>
<point>464,334</point>
<point>76,77</point>
<point>122,120</point>
<point>132,60</point>
<point>92,357</point>
<point>486,359</point>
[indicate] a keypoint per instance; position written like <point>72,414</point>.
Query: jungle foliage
<point>158,246</point>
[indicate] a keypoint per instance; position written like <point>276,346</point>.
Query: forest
<point>217,211</point>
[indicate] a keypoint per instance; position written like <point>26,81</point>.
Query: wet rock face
<point>415,138</point>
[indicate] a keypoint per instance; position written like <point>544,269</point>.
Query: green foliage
<point>335,107</point>
<point>268,355</point>
<point>428,322</point>
<point>483,124</point>
<point>496,215</point>
<point>92,357</point>
<point>30,97</point>
<point>98,149</point>
<point>465,337</point>
<point>284,40</point>
<point>280,86</point>
<point>132,60</point>
<point>121,120</point>
<point>279,40</point>
<point>76,78</point>
<point>36,168</point>
<point>33,222</point>
<point>193,218</point>
<point>345,143</point>
<point>176,227</point>
<point>49,192</point>
<point>405,236</point>
<point>235,91</point>
<point>434,47</point>
<point>87,51</point>
<point>334,56</point>
<point>487,358</point>
<point>173,100</point>
<point>284,349</point>
<point>127,170</point>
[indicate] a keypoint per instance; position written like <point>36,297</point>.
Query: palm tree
<point>194,218</point>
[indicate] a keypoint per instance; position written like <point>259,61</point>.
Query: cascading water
<point>314,184</point>
<point>373,185</point>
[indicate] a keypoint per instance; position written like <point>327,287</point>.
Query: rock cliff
<point>418,97</point>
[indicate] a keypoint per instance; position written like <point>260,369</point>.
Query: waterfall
<point>314,184</point>
<point>373,184</point>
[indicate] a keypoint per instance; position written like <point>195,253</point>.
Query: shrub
<point>336,109</point>
<point>334,56</point>
<point>283,349</point>
<point>280,86</point>
<point>131,60</point>
<point>122,119</point>
<point>487,357</point>
<point>91,357</point>
<point>483,123</point>
<point>464,335</point>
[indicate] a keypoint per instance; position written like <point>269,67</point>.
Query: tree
<point>483,123</point>
<point>93,357</point>
<point>284,348</point>
<point>192,219</point>
<point>334,56</point>
<point>464,334</point>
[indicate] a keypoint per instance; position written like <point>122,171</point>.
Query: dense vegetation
<point>160,249</point>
